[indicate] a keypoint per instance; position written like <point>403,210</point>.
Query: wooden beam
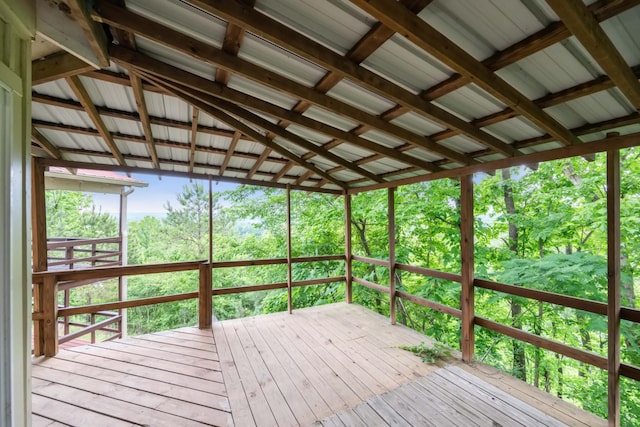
<point>283,170</point>
<point>39,247</point>
<point>82,95</point>
<point>208,90</point>
<point>348,264</point>
<point>433,42</point>
<point>230,150</point>
<point>289,271</point>
<point>260,24</point>
<point>93,32</point>
<point>548,36</point>
<point>467,266</point>
<point>613,275</point>
<point>304,177</point>
<point>57,66</point>
<point>141,103</point>
<point>122,18</point>
<point>46,145</point>
<point>232,41</point>
<point>583,24</point>
<point>609,143</point>
<point>247,130</point>
<point>194,138</point>
<point>259,162</point>
<point>205,289</point>
<point>391,229</point>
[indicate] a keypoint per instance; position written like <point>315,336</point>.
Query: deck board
<point>335,365</point>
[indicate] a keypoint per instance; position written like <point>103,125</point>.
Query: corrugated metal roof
<point>481,28</point>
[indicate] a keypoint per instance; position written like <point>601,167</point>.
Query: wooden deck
<point>331,365</point>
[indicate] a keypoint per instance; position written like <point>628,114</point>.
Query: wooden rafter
<point>81,93</point>
<point>548,36</point>
<point>141,103</point>
<point>436,44</point>
<point>286,168</point>
<point>122,18</point>
<point>194,138</point>
<point>247,130</point>
<point>231,44</point>
<point>205,89</point>
<point>92,30</point>
<point>45,144</point>
<point>344,67</point>
<point>57,66</point>
<point>585,27</point>
<point>230,150</point>
<point>256,166</point>
<point>303,178</point>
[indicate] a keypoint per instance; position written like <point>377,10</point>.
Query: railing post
<point>391,214</point>
<point>348,271</point>
<point>467,268</point>
<point>205,303</point>
<point>613,274</point>
<point>49,306</point>
<point>289,271</point>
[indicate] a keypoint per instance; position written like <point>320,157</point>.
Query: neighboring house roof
<point>88,180</point>
<point>331,94</point>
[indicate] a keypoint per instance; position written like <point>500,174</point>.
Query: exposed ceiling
<point>331,94</point>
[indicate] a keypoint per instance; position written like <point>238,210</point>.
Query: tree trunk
<point>519,357</point>
<point>361,226</point>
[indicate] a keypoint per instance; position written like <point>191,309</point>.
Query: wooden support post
<point>210,221</point>
<point>613,274</point>
<point>466,250</point>
<point>39,248</point>
<point>391,214</point>
<point>50,315</point>
<point>205,292</point>
<point>289,272</point>
<point>348,272</point>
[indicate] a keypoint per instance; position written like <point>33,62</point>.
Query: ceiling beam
<point>133,169</point>
<point>232,41</point>
<point>548,36</point>
<point>585,27</point>
<point>256,166</point>
<point>93,31</point>
<point>194,137</point>
<point>81,93</point>
<point>141,103</point>
<point>247,130</point>
<point>57,66</point>
<point>230,150</point>
<point>289,39</point>
<point>45,144</point>
<point>125,19</point>
<point>433,42</point>
<point>205,89</point>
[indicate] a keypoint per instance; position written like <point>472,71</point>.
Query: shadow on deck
<point>339,364</point>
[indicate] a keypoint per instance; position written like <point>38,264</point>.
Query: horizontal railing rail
<point>582,304</point>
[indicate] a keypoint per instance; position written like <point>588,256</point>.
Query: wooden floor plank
<point>369,416</point>
<point>68,414</point>
<point>179,343</point>
<point>387,412</point>
<point>141,341</point>
<point>164,365</point>
<point>158,403</point>
<point>240,409</point>
<point>186,394</point>
<point>260,408</point>
<point>292,397</point>
<point>188,339</point>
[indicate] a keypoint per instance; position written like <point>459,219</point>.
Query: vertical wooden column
<point>348,271</point>
<point>210,221</point>
<point>391,214</point>
<point>613,275</point>
<point>205,308</point>
<point>289,272</point>
<point>50,315</point>
<point>466,250</point>
<point>39,249</point>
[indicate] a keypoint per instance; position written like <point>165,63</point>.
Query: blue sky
<point>151,199</point>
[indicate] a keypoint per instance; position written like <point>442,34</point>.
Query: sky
<point>151,200</point>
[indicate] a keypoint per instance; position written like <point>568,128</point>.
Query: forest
<point>536,226</point>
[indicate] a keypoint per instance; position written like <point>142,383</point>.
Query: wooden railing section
<point>595,307</point>
<point>65,253</point>
<point>47,285</point>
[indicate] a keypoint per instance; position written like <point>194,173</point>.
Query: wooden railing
<point>65,253</point>
<point>595,307</point>
<point>47,285</point>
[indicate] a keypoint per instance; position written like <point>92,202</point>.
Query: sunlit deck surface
<point>334,365</point>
